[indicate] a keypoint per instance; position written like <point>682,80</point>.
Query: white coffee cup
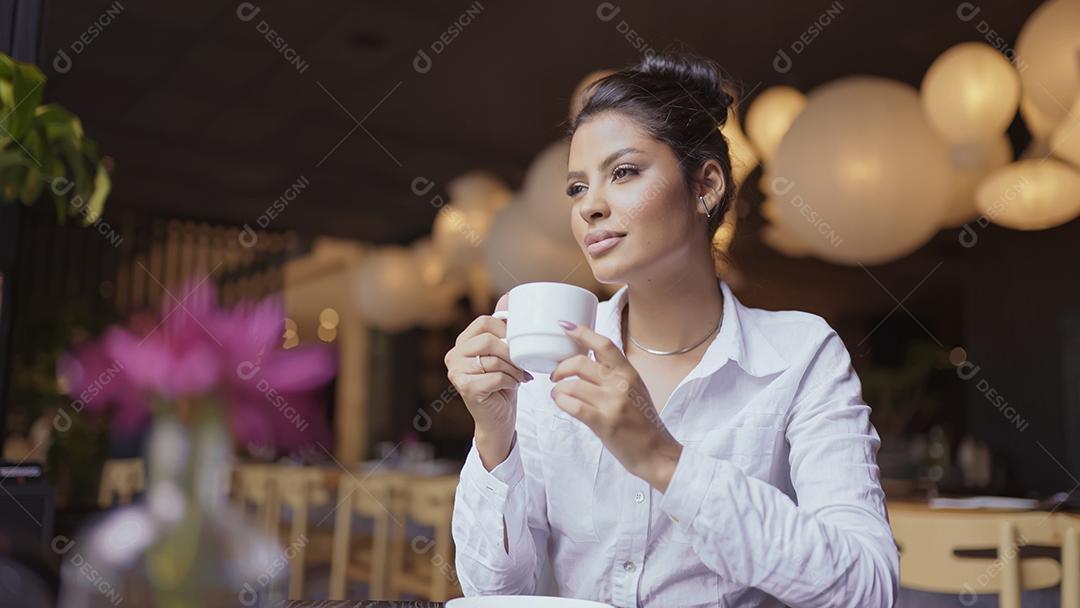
<point>537,342</point>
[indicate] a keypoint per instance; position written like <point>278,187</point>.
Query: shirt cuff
<point>688,487</point>
<point>496,484</point>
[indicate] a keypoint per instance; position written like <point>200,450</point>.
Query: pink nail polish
<point>567,325</point>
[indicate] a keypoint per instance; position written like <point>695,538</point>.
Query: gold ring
<point>481,364</point>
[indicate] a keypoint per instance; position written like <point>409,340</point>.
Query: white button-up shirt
<point>775,499</point>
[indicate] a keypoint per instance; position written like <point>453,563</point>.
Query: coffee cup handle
<point>504,315</point>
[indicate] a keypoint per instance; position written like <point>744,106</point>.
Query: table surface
<point>361,604</point>
<point>922,506</point>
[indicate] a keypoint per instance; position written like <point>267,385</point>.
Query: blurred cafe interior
<point>237,240</point>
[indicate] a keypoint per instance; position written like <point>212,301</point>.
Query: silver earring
<point>708,213</point>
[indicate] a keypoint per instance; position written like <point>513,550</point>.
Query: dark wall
<point>20,37</point>
<point>1022,299</point>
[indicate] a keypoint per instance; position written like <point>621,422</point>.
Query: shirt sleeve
<point>834,547</point>
<point>512,492</point>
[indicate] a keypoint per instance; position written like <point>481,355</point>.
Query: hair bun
<point>701,77</point>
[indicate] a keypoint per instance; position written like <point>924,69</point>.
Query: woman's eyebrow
<point>607,161</point>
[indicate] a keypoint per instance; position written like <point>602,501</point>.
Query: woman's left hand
<point>610,398</point>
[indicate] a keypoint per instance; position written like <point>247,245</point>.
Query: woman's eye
<point>623,170</point>
<point>574,189</point>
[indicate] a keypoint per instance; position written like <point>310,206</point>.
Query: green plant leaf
<point>7,67</point>
<point>21,87</point>
<point>76,166</point>
<point>29,86</point>
<point>7,86</point>
<point>44,145</point>
<point>10,158</point>
<point>59,123</point>
<point>32,185</point>
<point>102,185</point>
<point>11,181</point>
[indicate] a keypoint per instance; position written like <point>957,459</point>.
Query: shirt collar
<point>739,339</point>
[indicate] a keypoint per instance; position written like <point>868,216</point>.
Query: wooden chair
<point>253,485</point>
<point>1068,529</point>
<point>302,488</point>
<point>421,566</point>
<point>121,480</point>
<point>364,560</point>
<point>271,487</point>
<point>930,539</point>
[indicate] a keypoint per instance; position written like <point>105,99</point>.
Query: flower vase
<point>181,545</point>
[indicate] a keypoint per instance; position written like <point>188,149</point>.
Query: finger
<point>494,356</point>
<point>582,390</point>
<point>577,408</point>
<point>492,382</point>
<point>485,344</point>
<point>468,366</point>
<point>490,363</point>
<point>480,325</point>
<point>471,381</point>
<point>582,367</point>
<point>605,350</point>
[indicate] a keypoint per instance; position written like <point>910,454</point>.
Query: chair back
<point>254,486</point>
<point>300,489</point>
<point>371,496</point>
<point>929,541</point>
<point>121,480</point>
<point>269,487</point>
<point>427,501</point>
<point>1068,529</point>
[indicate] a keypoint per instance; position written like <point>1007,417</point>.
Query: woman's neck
<point>673,311</point>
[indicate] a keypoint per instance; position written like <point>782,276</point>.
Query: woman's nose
<point>594,207</point>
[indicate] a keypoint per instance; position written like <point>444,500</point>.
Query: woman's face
<point>628,187</point>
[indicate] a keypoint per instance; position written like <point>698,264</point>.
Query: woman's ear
<point>711,185</point>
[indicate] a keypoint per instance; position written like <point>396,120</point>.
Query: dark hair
<point>680,99</point>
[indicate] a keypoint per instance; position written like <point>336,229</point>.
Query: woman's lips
<point>601,246</point>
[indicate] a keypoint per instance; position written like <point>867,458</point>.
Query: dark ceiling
<point>207,118</point>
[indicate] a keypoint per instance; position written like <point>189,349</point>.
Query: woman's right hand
<point>488,387</point>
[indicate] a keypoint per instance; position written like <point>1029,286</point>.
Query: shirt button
<point>628,566</point>
<point>639,497</point>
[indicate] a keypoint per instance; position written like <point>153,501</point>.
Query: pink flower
<point>198,349</point>
<point>96,381</point>
<point>169,363</point>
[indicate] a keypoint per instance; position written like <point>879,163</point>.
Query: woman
<point>709,454</point>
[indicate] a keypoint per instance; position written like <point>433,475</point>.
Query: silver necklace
<point>681,350</point>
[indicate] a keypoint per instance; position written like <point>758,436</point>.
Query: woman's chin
<point>608,273</point>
